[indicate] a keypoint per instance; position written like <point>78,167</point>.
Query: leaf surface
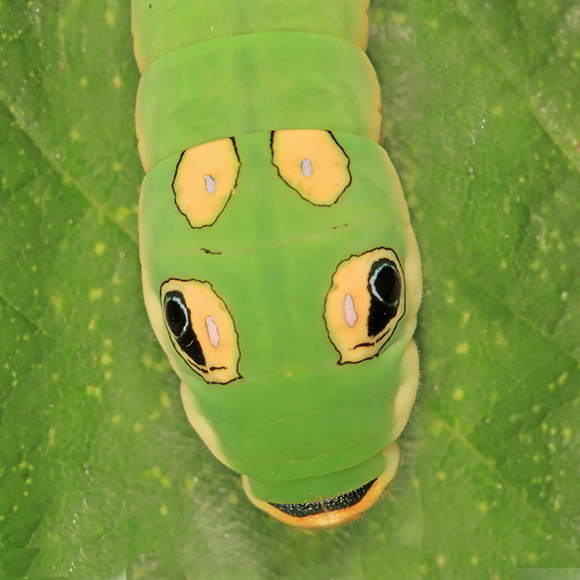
<point>99,468</point>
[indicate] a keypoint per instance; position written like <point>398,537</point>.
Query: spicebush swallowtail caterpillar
<point>280,271</point>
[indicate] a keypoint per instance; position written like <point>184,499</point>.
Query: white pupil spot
<point>350,314</point>
<point>212,331</point>
<point>209,183</point>
<point>306,167</point>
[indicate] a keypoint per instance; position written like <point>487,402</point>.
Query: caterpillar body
<point>280,271</point>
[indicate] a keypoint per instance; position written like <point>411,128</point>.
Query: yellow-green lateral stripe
<point>253,83</point>
<point>164,26</point>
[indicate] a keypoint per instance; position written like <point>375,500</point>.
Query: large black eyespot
<point>365,303</point>
<point>201,329</point>
<point>178,320</point>
<point>384,287</point>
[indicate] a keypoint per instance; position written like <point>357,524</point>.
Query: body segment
<point>280,271</point>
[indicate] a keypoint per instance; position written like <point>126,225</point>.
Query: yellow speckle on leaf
<point>562,378</point>
<point>117,82</point>
<point>106,358</point>
<point>441,560</point>
<point>117,166</point>
<point>462,348</point>
<point>116,419</point>
<point>56,301</point>
<point>474,560</point>
<point>163,510</point>
<point>83,82</point>
<point>440,476</point>
<point>567,432</point>
<point>399,17</point>
<point>51,436</point>
<point>164,400</point>
<point>94,392</point>
<point>412,200</point>
<point>458,394</point>
<point>506,205</point>
<point>160,367</point>
<point>92,323</point>
<point>96,294</point>
<point>122,213</point>
<point>497,111</point>
<point>500,339</point>
<point>436,428</point>
<point>434,24</point>
<point>109,18</point>
<point>483,507</point>
<point>75,135</point>
<point>99,248</point>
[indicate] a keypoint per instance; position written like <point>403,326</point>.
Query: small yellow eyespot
<point>201,329</point>
<point>311,162</point>
<point>205,179</point>
<point>364,304</point>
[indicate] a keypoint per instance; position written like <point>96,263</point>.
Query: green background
<point>99,468</point>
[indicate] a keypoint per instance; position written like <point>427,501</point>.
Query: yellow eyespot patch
<point>201,329</point>
<point>312,163</point>
<point>364,304</point>
<point>205,179</point>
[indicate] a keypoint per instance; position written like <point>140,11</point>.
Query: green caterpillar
<point>280,271</point>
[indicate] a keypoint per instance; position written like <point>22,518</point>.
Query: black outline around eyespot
<point>198,370</point>
<point>381,337</point>
<point>293,188</point>
<point>233,140</point>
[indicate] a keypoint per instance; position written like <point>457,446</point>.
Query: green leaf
<point>99,468</point>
